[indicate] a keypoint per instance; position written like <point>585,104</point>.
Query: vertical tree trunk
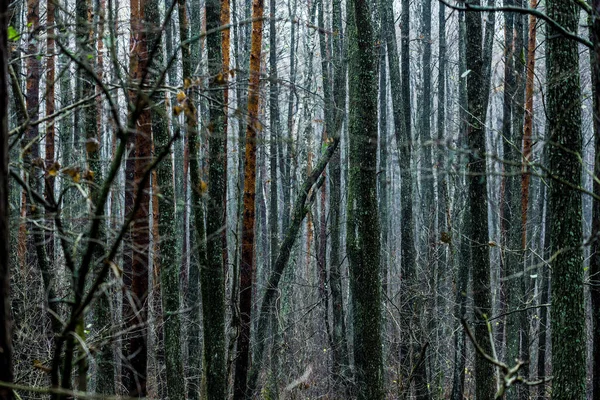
<point>400,107</point>
<point>212,277</point>
<point>274,157</point>
<point>137,322</point>
<point>50,108</point>
<point>511,213</point>
<point>247,267</point>
<point>595,240</point>
<point>405,59</point>
<point>363,240</point>
<point>564,111</point>
<point>340,348</point>
<point>6,350</point>
<point>167,234</point>
<point>477,221</point>
<point>198,190</point>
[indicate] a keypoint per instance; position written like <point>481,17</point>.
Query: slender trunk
<point>140,236</point>
<point>595,241</point>
<point>403,138</point>
<point>50,130</point>
<point>247,267</point>
<point>6,349</point>
<point>340,369</point>
<point>167,259</point>
<point>477,220</point>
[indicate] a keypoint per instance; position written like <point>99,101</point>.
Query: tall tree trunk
<point>167,233</point>
<point>511,211</point>
<point>274,146</point>
<point>595,240</point>
<point>477,221</point>
<point>564,111</point>
<point>404,144</point>
<point>247,266</point>
<point>405,59</point>
<point>363,240</point>
<point>6,349</point>
<point>137,322</point>
<point>50,130</point>
<point>464,259</point>
<point>212,277</point>
<point>340,347</point>
<point>197,191</point>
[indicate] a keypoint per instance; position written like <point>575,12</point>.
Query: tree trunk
<point>137,321</point>
<point>6,350</point>
<point>212,277</point>
<point>363,239</point>
<point>595,239</point>
<point>247,267</point>
<point>167,233</point>
<point>564,111</point>
<point>341,362</point>
<point>477,221</point>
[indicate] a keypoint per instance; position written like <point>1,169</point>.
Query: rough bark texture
<point>400,86</point>
<point>564,113</point>
<point>6,350</point>
<point>477,220</point>
<point>50,108</point>
<point>595,240</point>
<point>138,346</point>
<point>212,277</point>
<point>363,217</point>
<point>340,348</point>
<point>168,259</point>
<point>247,266</point>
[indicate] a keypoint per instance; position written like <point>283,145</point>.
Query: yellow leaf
<point>187,82</point>
<point>177,110</point>
<point>203,187</point>
<point>180,96</point>
<point>74,173</point>
<point>89,175</point>
<point>53,169</point>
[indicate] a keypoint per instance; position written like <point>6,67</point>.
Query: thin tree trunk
<point>50,108</point>
<point>137,322</point>
<point>167,259</point>
<point>477,220</point>
<point>595,239</point>
<point>247,267</point>
<point>6,349</point>
<point>340,356</point>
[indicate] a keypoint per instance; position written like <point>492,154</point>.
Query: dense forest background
<point>301,199</point>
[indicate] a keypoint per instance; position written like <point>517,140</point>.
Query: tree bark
<point>167,246</point>
<point>477,220</point>
<point>595,239</point>
<point>137,321</point>
<point>247,267</point>
<point>212,277</point>
<point>6,349</point>
<point>363,238</point>
<point>564,112</point>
